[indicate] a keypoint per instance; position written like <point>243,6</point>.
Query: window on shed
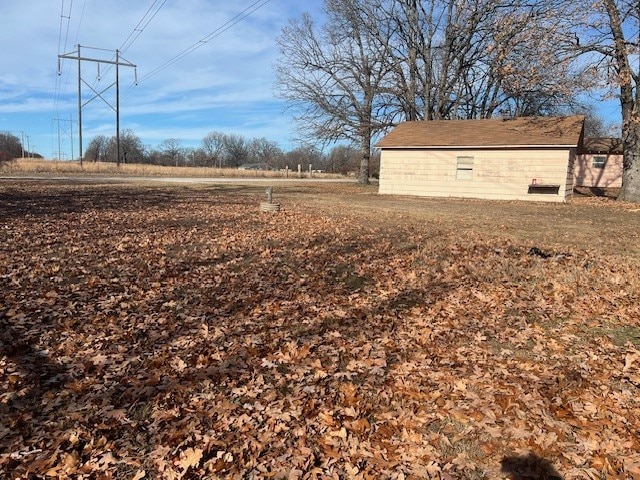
<point>598,161</point>
<point>464,168</point>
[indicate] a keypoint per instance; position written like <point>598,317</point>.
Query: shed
<point>527,158</point>
<point>599,163</point>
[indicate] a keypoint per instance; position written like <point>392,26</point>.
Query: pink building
<point>599,163</point>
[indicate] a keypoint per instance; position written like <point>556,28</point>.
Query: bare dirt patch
<point>178,332</point>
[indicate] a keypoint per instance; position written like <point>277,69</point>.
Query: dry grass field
<point>178,332</point>
<point>44,168</point>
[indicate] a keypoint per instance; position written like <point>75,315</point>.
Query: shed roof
<point>487,133</point>
<point>602,145</point>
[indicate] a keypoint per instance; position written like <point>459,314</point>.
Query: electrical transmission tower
<point>65,129</point>
<point>119,61</point>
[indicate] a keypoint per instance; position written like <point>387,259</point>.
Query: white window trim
<point>598,164</point>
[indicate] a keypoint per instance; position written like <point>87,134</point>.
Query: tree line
<point>371,64</point>
<point>11,147</point>
<point>223,150</point>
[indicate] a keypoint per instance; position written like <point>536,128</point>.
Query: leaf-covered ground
<point>172,332</point>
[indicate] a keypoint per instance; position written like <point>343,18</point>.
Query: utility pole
<point>59,138</point>
<point>117,110</point>
<point>79,106</point>
<point>71,134</point>
<point>118,61</point>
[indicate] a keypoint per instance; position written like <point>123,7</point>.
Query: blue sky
<point>226,84</point>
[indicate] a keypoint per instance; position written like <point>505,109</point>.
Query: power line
<point>68,17</point>
<point>135,33</point>
<point>217,32</point>
<point>58,80</point>
<point>139,28</point>
<point>151,12</point>
<point>58,85</point>
<point>84,4</point>
<point>60,29</point>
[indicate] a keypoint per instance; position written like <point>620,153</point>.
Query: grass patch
<point>619,335</point>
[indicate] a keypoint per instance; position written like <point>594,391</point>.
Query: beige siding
<point>497,174</point>
<point>570,174</point>
<point>588,176</point>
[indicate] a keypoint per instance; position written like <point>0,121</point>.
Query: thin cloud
<point>225,85</point>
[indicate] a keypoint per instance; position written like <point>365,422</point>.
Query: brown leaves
<point>181,334</point>
<point>191,458</point>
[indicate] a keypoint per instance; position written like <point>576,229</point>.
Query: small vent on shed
<point>543,189</point>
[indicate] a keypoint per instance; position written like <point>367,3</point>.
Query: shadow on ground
<point>529,467</point>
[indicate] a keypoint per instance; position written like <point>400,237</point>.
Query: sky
<point>224,84</point>
<point>200,67</point>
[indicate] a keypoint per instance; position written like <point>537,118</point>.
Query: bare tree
<point>98,149</point>
<point>605,35</point>
<point>200,158</point>
<point>622,18</point>
<point>236,149</point>
<point>172,149</point>
<point>377,62</point>
<point>131,148</point>
<point>10,147</point>
<point>342,159</point>
<point>333,76</point>
<point>103,149</point>
<point>594,124</point>
<point>475,58</point>
<point>264,151</point>
<point>212,145</point>
<point>305,156</point>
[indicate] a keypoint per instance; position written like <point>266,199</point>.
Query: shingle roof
<point>602,145</point>
<point>493,132</point>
